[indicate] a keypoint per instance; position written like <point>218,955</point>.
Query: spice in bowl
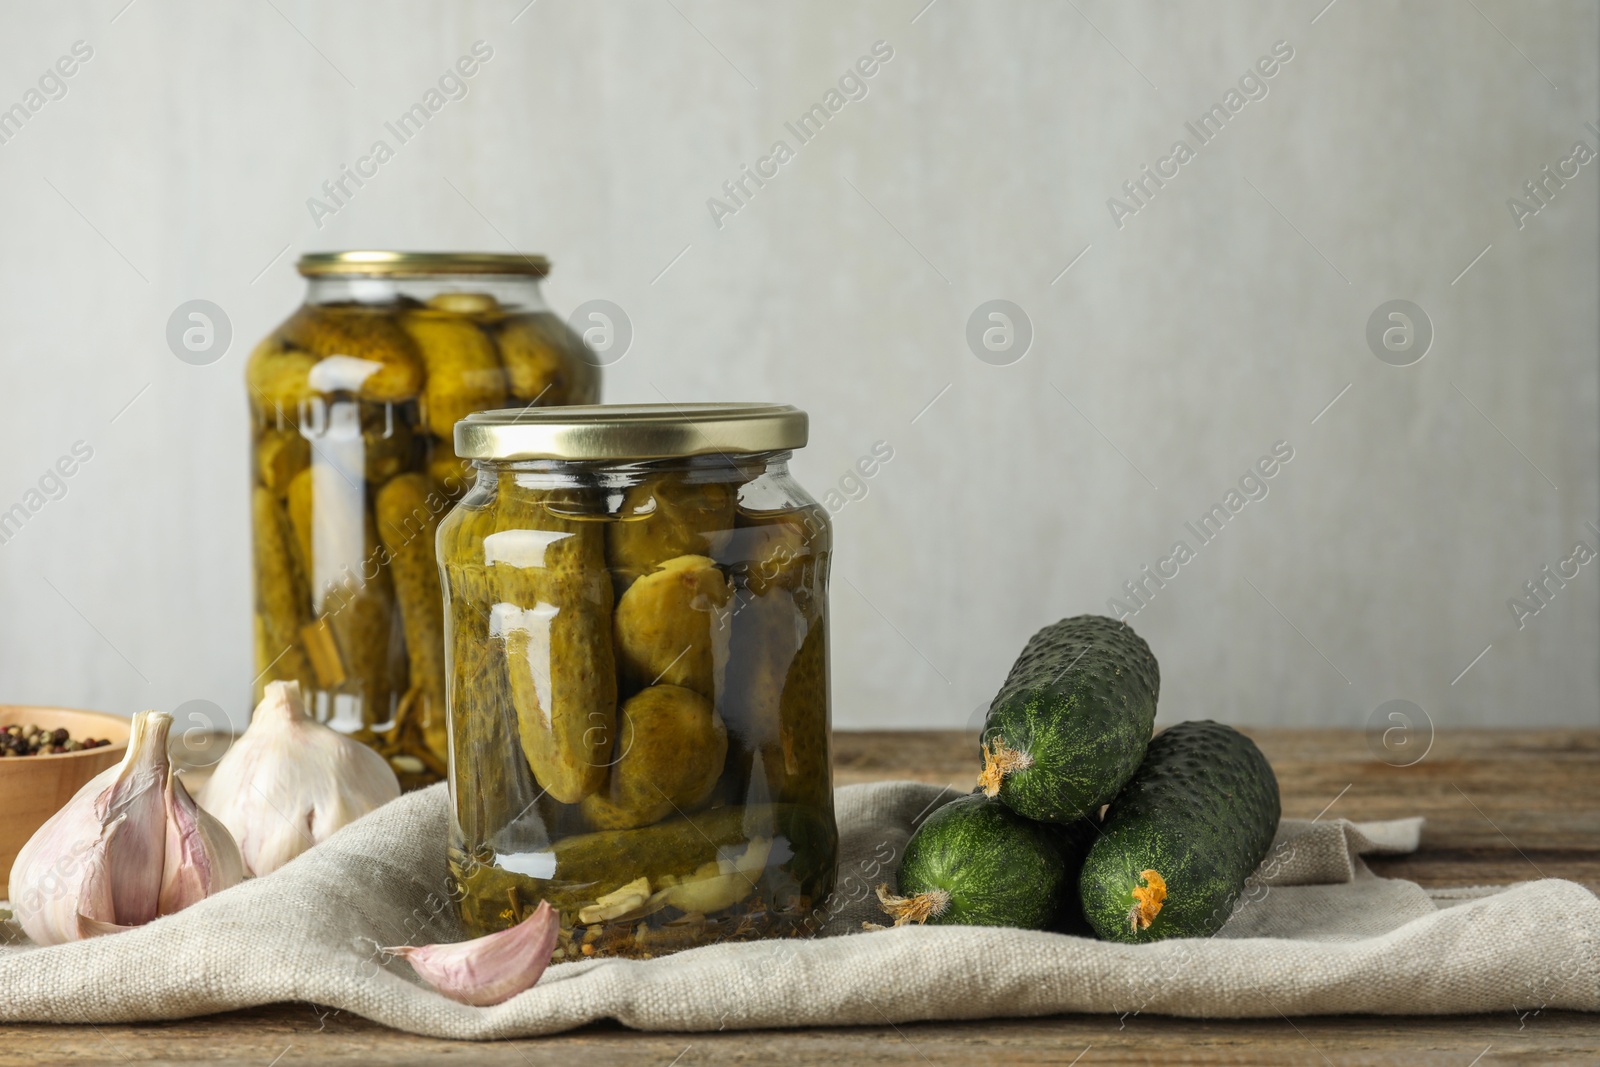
<point>30,740</point>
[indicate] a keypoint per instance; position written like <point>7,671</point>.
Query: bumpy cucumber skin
<point>1201,812</point>
<point>1080,702</point>
<point>999,868</point>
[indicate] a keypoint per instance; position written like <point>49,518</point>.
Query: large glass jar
<point>637,625</point>
<point>353,401</point>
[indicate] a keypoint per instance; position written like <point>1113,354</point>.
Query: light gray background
<point>1223,317</point>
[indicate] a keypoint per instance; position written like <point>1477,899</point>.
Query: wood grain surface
<point>1502,806</point>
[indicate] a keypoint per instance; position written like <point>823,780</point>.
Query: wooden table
<point>1502,806</point>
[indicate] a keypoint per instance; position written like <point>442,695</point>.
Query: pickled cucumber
<point>279,379</point>
<point>280,455</point>
<point>764,643</point>
<point>280,594</point>
<point>564,694</point>
<point>475,304</point>
<point>669,754</point>
<point>326,513</point>
<point>554,611</point>
<point>459,545</point>
<point>493,785</point>
<point>802,747</point>
<point>664,517</point>
<point>351,593</point>
<point>463,372</point>
<point>408,523</point>
<point>388,444</point>
<point>377,359</point>
<point>775,551</point>
<point>451,473</point>
<point>544,363</point>
<point>671,627</point>
<point>362,617</point>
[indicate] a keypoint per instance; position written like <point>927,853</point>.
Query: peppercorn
<point>30,740</point>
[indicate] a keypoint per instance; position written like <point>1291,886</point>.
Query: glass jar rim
<point>631,431</point>
<point>380,264</point>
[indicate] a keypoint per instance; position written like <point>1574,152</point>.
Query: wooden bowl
<point>33,788</point>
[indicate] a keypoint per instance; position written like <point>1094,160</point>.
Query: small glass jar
<point>353,401</point>
<point>636,618</point>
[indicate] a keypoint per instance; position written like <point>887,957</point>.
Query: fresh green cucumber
<point>975,862</point>
<point>1071,723</point>
<point>1178,842</point>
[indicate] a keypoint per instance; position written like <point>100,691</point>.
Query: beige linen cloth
<point>1316,932</point>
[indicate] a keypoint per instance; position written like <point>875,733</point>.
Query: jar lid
<point>630,431</point>
<point>412,264</point>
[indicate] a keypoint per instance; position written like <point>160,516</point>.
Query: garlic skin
<point>104,861</point>
<point>492,968</point>
<point>288,782</point>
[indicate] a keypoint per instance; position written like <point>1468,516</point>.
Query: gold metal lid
<point>630,431</point>
<point>411,264</point>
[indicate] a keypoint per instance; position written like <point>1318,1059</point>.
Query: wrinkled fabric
<point>1315,932</point>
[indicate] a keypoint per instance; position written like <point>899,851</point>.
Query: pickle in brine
<point>664,517</point>
<point>801,758</point>
<point>494,793</point>
<point>764,640</point>
<point>351,638</point>
<point>408,523</point>
<point>388,445</point>
<point>279,380</point>
<point>545,363</point>
<point>554,612</point>
<point>451,473</point>
<point>493,789</point>
<point>669,754</point>
<point>280,594</point>
<point>280,455</point>
<point>464,372</point>
<point>776,700</point>
<point>362,349</point>
<point>478,305</point>
<point>775,551</point>
<point>671,626</point>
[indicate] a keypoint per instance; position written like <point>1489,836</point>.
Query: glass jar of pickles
<point>353,401</point>
<point>636,628</point>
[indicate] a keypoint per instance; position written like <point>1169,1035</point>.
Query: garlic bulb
<point>491,968</point>
<point>289,782</point>
<point>129,846</point>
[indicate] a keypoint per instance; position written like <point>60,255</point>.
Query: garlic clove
<point>490,969</point>
<point>88,927</point>
<point>201,857</point>
<point>134,849</point>
<point>49,874</point>
<point>96,909</point>
<point>289,782</point>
